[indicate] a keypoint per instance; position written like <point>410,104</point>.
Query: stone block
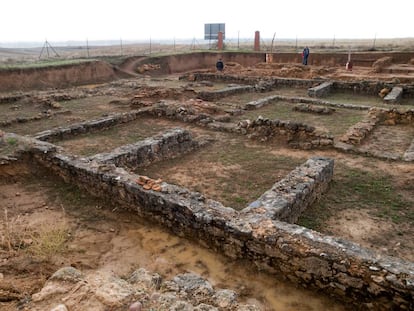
<point>394,96</point>
<point>321,90</point>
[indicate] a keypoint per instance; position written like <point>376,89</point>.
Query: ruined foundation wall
<point>288,198</point>
<point>297,134</point>
<point>61,133</point>
<point>272,83</point>
<point>169,145</point>
<point>306,257</point>
<point>376,116</point>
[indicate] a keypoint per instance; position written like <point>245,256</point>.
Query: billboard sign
<point>211,31</point>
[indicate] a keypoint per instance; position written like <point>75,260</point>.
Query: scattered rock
<point>60,307</point>
<point>136,306</point>
<point>68,274</point>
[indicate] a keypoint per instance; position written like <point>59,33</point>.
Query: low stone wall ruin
<point>297,135</point>
<point>218,94</point>
<point>409,154</point>
<point>394,96</point>
<point>376,116</point>
<point>339,268</point>
<point>320,90</point>
<point>61,133</point>
<point>357,87</point>
<point>302,107</point>
<point>169,145</point>
<point>359,131</point>
<point>294,99</point>
<point>288,198</point>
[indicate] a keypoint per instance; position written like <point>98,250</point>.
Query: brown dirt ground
<point>96,232</point>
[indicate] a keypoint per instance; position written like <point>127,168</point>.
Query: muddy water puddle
<point>105,238</point>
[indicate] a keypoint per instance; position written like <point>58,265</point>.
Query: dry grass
<point>44,243</point>
<point>7,239</point>
<point>49,241</point>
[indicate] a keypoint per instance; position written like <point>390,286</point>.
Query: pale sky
<point>66,20</point>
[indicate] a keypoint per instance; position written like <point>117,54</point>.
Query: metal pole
<point>296,44</point>
<point>54,51</point>
<point>121,45</point>
<point>41,52</point>
<point>238,40</point>
<point>273,40</point>
<point>87,47</point>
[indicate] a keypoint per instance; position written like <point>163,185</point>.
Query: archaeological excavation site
<point>160,183</point>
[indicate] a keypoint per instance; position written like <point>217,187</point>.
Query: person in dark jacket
<point>305,55</point>
<point>220,65</point>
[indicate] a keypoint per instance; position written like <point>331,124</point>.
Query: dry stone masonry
<point>169,145</point>
<point>297,135</point>
<point>376,116</point>
<point>320,90</point>
<point>313,109</point>
<point>288,198</point>
<point>394,96</point>
<point>231,90</point>
<point>339,268</point>
<point>362,129</point>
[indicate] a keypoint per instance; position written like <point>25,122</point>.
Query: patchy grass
<point>44,63</point>
<point>231,170</point>
<point>8,146</point>
<point>336,123</point>
<point>359,189</point>
<point>107,140</point>
<point>367,100</point>
<point>80,110</point>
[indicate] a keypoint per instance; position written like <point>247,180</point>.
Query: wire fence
<point>94,49</point>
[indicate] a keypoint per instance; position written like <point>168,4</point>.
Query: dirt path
<point>130,65</point>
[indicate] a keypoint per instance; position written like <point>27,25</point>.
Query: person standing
<point>305,55</point>
<point>220,65</point>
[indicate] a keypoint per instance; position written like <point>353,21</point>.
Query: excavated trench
<point>258,233</point>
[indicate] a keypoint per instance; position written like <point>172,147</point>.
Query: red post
<point>257,41</point>
<point>220,40</point>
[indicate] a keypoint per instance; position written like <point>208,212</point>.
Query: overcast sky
<point>66,20</point>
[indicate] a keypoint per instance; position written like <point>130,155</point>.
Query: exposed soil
<point>370,201</point>
<point>96,233</point>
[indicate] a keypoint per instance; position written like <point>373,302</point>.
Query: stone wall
<point>358,87</point>
<point>218,94</point>
<point>167,145</point>
<point>60,133</point>
<point>288,198</point>
<point>308,108</point>
<point>294,99</point>
<point>320,90</point>
<point>297,135</point>
<point>394,96</point>
<point>395,116</point>
<point>376,116</point>
<point>409,154</point>
<point>359,131</point>
<point>363,278</point>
